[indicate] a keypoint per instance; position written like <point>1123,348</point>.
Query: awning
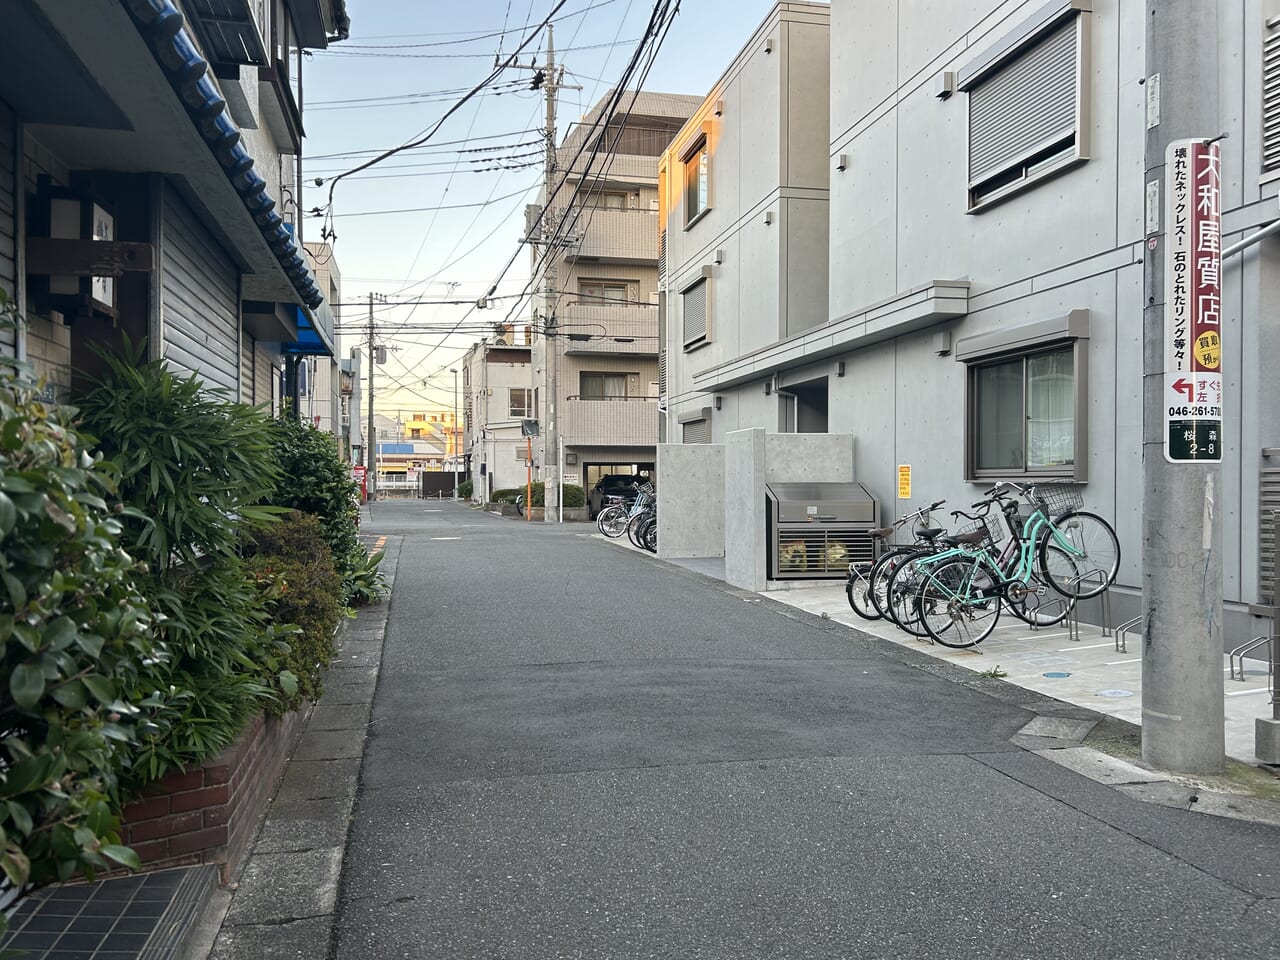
<point>311,339</point>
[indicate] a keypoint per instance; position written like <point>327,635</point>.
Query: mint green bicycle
<point>1075,552</point>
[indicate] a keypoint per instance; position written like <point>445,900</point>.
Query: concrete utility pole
<point>551,79</point>
<point>371,441</point>
<point>1182,692</point>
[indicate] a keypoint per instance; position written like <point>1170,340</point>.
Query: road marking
<point>1112,663</point>
<point>446,538</point>
<point>1245,693</point>
<point>1092,646</point>
<point>379,543</point>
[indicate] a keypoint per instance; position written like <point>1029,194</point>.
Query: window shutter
<point>662,374</point>
<point>1025,106</point>
<point>1271,97</point>
<point>697,431</point>
<point>694,302</point>
<point>662,255</point>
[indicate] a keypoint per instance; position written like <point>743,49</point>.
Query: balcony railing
<point>630,329</point>
<point>622,422</point>
<point>616,236</point>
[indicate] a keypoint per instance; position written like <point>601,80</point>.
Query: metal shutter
<point>694,312</point>
<point>662,256</point>
<point>1271,96</point>
<point>662,374</point>
<point>1268,511</point>
<point>696,431</point>
<point>1025,106</point>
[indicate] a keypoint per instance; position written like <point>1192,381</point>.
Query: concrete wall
<point>745,556</point>
<point>691,504</point>
<point>809,458</point>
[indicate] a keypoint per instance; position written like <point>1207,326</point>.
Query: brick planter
<point>209,813</point>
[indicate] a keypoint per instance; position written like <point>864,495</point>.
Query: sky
<point>440,222</point>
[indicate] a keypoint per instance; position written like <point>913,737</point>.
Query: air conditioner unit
<point>654,297</point>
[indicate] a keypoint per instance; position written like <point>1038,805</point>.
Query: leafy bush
<point>319,483</point>
<point>465,489</point>
<point>506,495</point>
<point>574,495</point>
<point>75,631</point>
<point>193,468</point>
<point>294,565</point>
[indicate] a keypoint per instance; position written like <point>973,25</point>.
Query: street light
<point>454,371</point>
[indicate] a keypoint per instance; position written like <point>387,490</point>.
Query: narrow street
<point>577,751</point>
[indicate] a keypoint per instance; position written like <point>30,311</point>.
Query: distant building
<point>498,396</point>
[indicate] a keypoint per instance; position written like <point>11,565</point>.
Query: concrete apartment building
<point>148,185</point>
<point>498,395</point>
<point>605,301</point>
<point>984,298</point>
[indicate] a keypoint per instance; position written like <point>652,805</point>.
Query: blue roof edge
<point>163,28</point>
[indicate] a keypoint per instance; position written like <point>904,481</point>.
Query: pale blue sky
<point>435,50</point>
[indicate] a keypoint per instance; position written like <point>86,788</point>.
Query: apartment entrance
<point>804,407</point>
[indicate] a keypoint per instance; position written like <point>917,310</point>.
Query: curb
<point>284,901</point>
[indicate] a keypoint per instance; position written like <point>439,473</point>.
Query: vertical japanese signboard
<point>904,481</point>
<point>1193,299</point>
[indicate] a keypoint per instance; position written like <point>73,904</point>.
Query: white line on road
<point>1092,646</point>
<point>446,538</point>
<point>1245,693</point>
<point>1112,663</point>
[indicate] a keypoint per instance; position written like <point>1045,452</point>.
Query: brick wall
<point>209,814</point>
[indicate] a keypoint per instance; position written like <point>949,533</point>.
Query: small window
<point>602,292</point>
<point>1028,107</point>
<point>605,201</point>
<point>696,199</point>
<point>1023,412</point>
<point>521,403</point>
<point>693,314</point>
<point>602,386</point>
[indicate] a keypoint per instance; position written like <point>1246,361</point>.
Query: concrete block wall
<point>209,814</point>
<point>691,500</point>
<point>49,352</point>
<point>809,458</point>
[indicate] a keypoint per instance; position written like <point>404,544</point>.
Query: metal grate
<point>662,255</point>
<point>1268,510</point>
<point>1027,105</point>
<point>694,312</point>
<point>822,551</point>
<point>1271,98</point>
<point>662,374</point>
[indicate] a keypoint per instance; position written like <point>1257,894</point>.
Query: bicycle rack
<point>1239,653</point>
<point>1122,645</point>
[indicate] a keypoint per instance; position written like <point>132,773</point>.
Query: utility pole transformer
<point>1182,692</point>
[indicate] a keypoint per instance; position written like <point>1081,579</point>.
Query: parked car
<point>611,487</point>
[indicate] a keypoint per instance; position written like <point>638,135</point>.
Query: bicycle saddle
<point>881,532</point>
<point>929,533</point>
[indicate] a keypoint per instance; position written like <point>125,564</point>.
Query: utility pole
<point>551,78</point>
<point>1182,693</point>
<point>371,440</point>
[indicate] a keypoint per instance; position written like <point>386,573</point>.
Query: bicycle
<point>860,584</point>
<point>614,521</point>
<point>962,589</point>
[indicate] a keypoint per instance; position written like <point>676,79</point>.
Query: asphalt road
<point>580,752</point>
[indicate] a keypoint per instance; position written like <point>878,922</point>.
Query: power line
<point>316,212</point>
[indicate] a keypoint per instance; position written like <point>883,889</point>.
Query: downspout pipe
<point>162,26</point>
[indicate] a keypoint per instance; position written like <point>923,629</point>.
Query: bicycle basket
<point>988,526</point>
<point>646,487</point>
<point>1059,498</point>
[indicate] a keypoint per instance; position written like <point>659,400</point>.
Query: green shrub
<point>294,565</point>
<point>194,468</point>
<point>574,495</point>
<point>465,489</point>
<point>319,483</point>
<point>506,495</point>
<point>75,631</point>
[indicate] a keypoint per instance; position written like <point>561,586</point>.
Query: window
<point>1028,389</point>
<point>521,403</point>
<point>602,386</point>
<point>693,313</point>
<point>1028,104</point>
<point>604,201</point>
<point>598,292</point>
<point>696,199</point>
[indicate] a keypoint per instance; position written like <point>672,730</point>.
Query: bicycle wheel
<point>633,527</point>
<point>900,600</point>
<point>959,602</point>
<point>649,535</point>
<point>613,525</point>
<point>858,589</point>
<point>609,512</point>
<point>881,572</point>
<point>1041,605</point>
<point>1092,546</point>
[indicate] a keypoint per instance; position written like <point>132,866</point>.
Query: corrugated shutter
<point>1271,96</point>
<point>662,374</point>
<point>662,256</point>
<point>694,312</point>
<point>201,312</point>
<point>1268,511</point>
<point>1025,106</point>
<point>696,431</point>
<point>8,215</point>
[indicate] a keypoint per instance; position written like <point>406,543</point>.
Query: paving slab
<point>278,887</point>
<point>347,694</point>
<point>330,744</point>
<point>348,716</point>
<point>1101,767</point>
<point>305,825</point>
<point>297,940</point>
<point>1059,728</point>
